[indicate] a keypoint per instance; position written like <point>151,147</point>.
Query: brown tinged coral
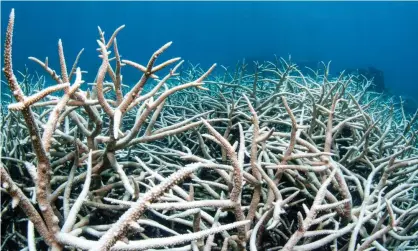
<point>43,169</point>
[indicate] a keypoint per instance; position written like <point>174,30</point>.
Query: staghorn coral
<point>269,160</point>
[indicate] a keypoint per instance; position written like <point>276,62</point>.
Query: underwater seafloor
<point>263,156</point>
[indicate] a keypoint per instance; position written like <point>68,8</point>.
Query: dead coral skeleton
<point>263,159</point>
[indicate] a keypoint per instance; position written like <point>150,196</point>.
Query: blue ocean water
<point>382,35</point>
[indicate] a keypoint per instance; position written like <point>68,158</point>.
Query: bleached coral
<point>269,160</point>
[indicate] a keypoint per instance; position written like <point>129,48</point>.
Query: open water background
<point>383,35</point>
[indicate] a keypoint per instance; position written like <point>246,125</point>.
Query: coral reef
<point>203,160</point>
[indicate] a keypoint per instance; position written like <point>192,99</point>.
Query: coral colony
<point>244,159</point>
